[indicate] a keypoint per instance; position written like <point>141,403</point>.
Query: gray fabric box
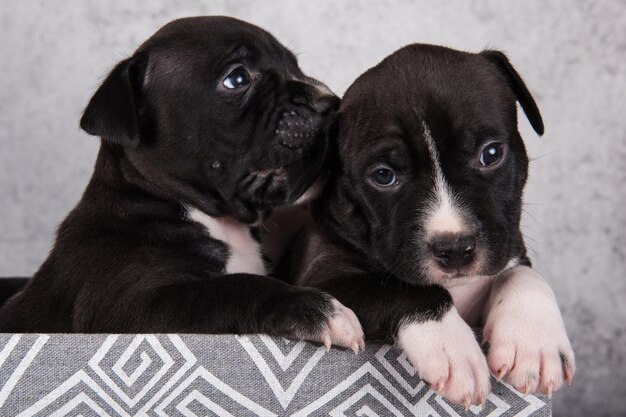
<point>206,375</point>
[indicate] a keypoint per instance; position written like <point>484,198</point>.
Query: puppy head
<point>431,164</point>
<point>216,113</point>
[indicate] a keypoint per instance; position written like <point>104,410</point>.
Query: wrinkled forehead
<point>211,31</point>
<point>367,131</point>
<point>214,42</point>
<point>455,99</point>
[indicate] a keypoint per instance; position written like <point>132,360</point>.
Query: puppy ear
<point>112,112</point>
<point>519,88</point>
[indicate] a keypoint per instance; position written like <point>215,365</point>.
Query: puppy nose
<point>453,251</point>
<point>321,104</point>
<point>325,104</point>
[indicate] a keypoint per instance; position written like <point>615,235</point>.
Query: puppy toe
<point>326,338</point>
<point>446,354</point>
<point>568,364</point>
<point>525,373</point>
<point>551,373</point>
<point>482,379</point>
<point>501,357</point>
<point>345,329</point>
<point>462,387</point>
<point>434,368</point>
<point>456,391</point>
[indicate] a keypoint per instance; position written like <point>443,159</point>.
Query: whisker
<point>293,45</point>
<point>531,216</point>
<point>264,227</point>
<point>529,238</point>
<point>531,249</point>
<point>541,156</point>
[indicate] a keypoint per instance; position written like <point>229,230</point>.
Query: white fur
<point>526,333</point>
<point>470,294</point>
<point>444,213</point>
<point>343,329</point>
<point>244,251</point>
<point>446,354</point>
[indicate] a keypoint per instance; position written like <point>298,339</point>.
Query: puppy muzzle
<point>295,130</point>
<point>304,118</point>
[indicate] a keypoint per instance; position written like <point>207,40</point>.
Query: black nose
<point>325,104</point>
<point>313,94</point>
<point>453,251</point>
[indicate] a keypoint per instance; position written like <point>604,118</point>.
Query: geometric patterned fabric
<point>204,375</point>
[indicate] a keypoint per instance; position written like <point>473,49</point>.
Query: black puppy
<point>418,229</point>
<point>205,129</point>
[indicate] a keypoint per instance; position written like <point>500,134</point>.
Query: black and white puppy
<point>418,229</point>
<point>205,129</point>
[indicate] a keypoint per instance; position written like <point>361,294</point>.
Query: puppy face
<point>431,164</point>
<point>216,113</point>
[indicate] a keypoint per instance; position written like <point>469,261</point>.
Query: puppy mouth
<point>460,279</point>
<point>452,276</point>
<point>295,160</point>
<point>298,137</point>
<point>481,268</point>
<point>272,187</point>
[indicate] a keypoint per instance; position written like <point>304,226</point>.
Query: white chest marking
<point>470,294</point>
<point>444,212</point>
<point>245,252</point>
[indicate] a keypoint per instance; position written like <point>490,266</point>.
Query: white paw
<point>343,329</point>
<point>446,354</point>
<point>528,343</point>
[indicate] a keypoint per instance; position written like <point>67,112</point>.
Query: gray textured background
<point>571,53</point>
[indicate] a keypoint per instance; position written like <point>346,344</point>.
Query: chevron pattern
<point>197,375</point>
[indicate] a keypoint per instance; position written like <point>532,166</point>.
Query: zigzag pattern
<point>193,375</point>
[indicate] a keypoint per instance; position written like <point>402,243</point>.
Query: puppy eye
<point>237,78</point>
<point>491,153</point>
<point>384,176</point>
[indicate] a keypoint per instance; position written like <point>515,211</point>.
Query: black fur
<point>369,247</point>
<point>9,286</point>
<point>127,258</point>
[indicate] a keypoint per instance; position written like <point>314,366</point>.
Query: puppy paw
<point>446,354</point>
<point>343,329</point>
<point>533,356</point>
<point>528,343</point>
<point>318,317</point>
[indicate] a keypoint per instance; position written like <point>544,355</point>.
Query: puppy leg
<point>236,303</point>
<point>528,343</point>
<point>424,323</point>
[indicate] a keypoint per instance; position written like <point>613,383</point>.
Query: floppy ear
<point>112,112</point>
<point>519,88</point>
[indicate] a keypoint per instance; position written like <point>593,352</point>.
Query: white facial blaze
<point>444,214</point>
